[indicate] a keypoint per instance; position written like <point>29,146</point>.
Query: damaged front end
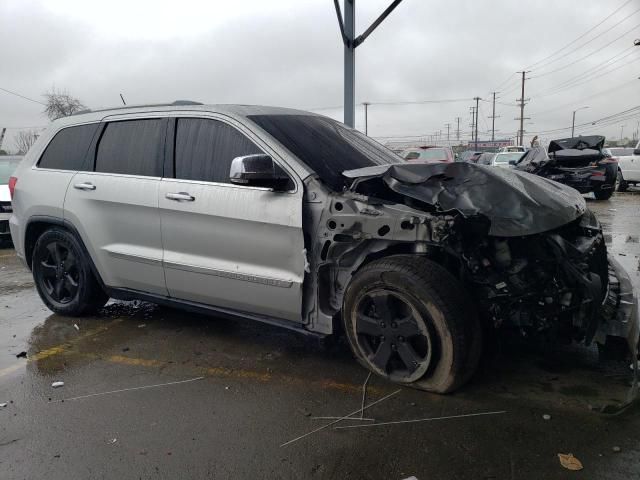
<point>527,249</point>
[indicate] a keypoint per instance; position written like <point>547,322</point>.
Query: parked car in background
<point>506,159</point>
<point>486,158</point>
<point>513,148</point>
<point>7,166</point>
<point>628,166</point>
<point>579,162</point>
<point>469,156</point>
<point>428,154</point>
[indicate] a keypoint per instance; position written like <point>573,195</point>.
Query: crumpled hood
<point>515,202</point>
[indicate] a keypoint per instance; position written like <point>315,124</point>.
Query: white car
<point>513,148</point>
<point>7,166</point>
<point>628,166</point>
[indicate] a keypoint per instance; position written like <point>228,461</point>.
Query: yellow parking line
<point>58,349</point>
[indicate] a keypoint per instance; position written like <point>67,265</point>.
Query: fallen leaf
<point>568,461</point>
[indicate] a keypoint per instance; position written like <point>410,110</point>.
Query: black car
<point>579,162</point>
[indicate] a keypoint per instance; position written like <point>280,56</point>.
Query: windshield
<point>427,154</point>
<point>327,147</point>
<point>508,157</point>
<point>7,167</point>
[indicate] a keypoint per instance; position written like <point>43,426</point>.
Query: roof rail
<point>176,103</point>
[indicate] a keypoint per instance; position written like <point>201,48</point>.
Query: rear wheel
<point>63,277</point>
<point>407,319</point>
<point>621,184</point>
<point>603,194</point>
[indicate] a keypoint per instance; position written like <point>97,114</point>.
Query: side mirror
<point>258,170</point>
<point>636,151</point>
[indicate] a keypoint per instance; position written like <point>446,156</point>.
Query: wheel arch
<point>40,224</point>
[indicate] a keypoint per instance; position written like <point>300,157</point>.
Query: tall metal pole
<point>366,117</point>
<point>522,111</point>
<point>493,118</point>
<point>349,63</point>
<point>477,99</point>
<point>458,130</point>
<point>573,123</point>
<point>448,125</point>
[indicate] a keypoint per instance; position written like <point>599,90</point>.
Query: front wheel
<point>621,184</point>
<point>408,320</point>
<point>63,277</point>
<point>603,194</point>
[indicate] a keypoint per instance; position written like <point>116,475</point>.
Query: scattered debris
<point>125,349</point>
<point>410,478</point>
<point>142,325</point>
<point>612,209</point>
<point>616,449</point>
<point>364,394</point>
<point>112,441</point>
<point>21,355</point>
<point>126,389</point>
<point>2,405</point>
<point>568,461</point>
<point>632,239</point>
<point>57,384</point>
<point>450,417</point>
<point>622,254</point>
<point>546,416</point>
<point>75,325</point>
<point>226,388</point>
<point>350,418</point>
<point>341,418</point>
<point>304,412</point>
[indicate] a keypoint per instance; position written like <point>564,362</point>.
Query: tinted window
<point>326,146</point>
<point>205,149</point>
<point>412,156</point>
<point>133,147</point>
<point>68,148</point>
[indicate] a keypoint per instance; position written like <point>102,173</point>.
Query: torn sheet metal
<point>516,203</point>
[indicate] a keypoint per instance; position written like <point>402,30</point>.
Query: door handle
<point>84,186</point>
<point>180,197</point>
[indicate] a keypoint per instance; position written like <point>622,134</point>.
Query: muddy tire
<point>63,275</point>
<point>410,321</point>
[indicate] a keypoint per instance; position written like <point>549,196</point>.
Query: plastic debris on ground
<point>568,461</point>
<point>2,405</point>
<point>75,325</point>
<point>546,416</point>
<point>616,449</point>
<point>57,384</point>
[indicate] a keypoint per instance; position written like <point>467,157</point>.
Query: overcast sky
<point>289,53</point>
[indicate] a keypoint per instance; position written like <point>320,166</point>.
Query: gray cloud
<point>291,55</point>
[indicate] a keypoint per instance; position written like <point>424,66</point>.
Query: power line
<point>588,55</point>
<point>595,69</point>
<point>22,96</point>
<point>587,42</point>
<point>581,36</point>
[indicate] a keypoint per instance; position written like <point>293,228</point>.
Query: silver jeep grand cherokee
<point>293,219</point>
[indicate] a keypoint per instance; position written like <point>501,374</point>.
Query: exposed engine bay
<point>527,250</point>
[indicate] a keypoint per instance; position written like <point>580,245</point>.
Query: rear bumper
<point>4,225</point>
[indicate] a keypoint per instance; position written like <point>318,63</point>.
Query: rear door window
<point>205,149</point>
<point>132,147</point>
<point>68,148</point>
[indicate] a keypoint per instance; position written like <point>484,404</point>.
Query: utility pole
<point>448,125</point>
<point>4,130</point>
<point>351,42</point>
<point>477,99</point>
<point>458,129</point>
<point>473,120</point>
<point>522,103</point>
<point>493,118</point>
<point>366,114</point>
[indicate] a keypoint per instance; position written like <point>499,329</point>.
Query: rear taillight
<point>12,185</point>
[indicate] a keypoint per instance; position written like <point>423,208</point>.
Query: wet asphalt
<point>156,393</point>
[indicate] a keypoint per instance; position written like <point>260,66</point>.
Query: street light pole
<point>573,121</point>
<point>351,42</point>
<point>366,117</point>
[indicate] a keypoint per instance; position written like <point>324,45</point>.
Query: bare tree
<point>61,104</point>
<point>25,139</point>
